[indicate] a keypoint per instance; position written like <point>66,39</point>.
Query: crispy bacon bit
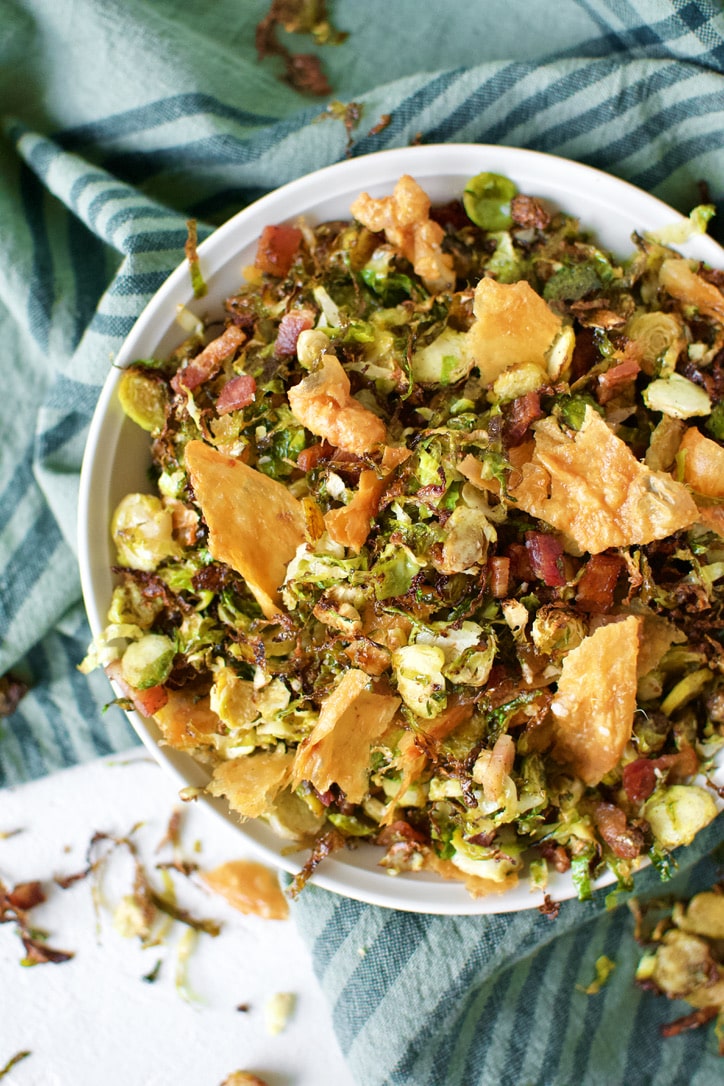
<point>311,456</point>
<point>499,576</point>
<point>278,245</point>
<point>529,212</point>
<point>598,581</point>
<point>639,777</point>
<point>399,831</point>
<point>623,840</point>
<point>549,908</point>
<point>520,564</point>
<point>210,360</point>
<point>523,411</point>
<point>546,558</point>
<point>290,326</point>
<point>613,381</point>
<point>237,393</point>
<point>556,855</point>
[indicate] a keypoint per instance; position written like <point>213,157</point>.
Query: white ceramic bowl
<point>117,452</point>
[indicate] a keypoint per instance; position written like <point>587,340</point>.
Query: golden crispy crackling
<point>251,783</point>
<point>591,486</point>
<point>594,705</point>
<point>255,524</point>
<point>512,324</point>
<point>337,751</point>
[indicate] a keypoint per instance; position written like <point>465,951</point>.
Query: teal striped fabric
<point>123,117</point>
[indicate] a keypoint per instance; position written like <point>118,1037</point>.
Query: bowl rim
<point>570,181</point>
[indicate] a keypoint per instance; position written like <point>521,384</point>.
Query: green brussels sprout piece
<point>677,397</point>
<point>487,200</point>
<point>420,681</point>
<point>677,813</point>
<point>143,399</point>
<point>142,532</point>
<point>148,662</point>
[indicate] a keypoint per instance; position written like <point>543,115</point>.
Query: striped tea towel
<point>122,118</point>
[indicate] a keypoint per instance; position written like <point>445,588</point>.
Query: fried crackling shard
<point>251,783</point>
<point>405,219</point>
<point>594,705</point>
<point>590,486</point>
<point>255,524</point>
<point>322,401</point>
<point>187,720</point>
<point>512,324</point>
<point>681,282</point>
<point>337,750</point>
<point>350,524</point>
<point>703,470</point>
<point>703,463</point>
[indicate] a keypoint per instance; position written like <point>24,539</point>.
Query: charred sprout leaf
<point>325,845</point>
<point>680,232</point>
<point>198,282</point>
<point>15,906</point>
<point>349,113</point>
<point>38,952</point>
<point>152,976</point>
<point>12,1062</point>
<point>210,927</point>
<point>303,71</point>
<point>12,691</point>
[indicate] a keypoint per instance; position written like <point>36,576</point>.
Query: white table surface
<point>94,1020</point>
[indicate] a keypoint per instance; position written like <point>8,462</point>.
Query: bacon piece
<point>523,411</point>
<point>237,393</point>
<point>519,559</point>
<point>639,777</point>
<point>555,854</point>
<point>623,840</point>
<point>210,360</point>
<point>310,457</point>
<point>529,212</point>
<point>278,245</point>
<point>546,556</point>
<point>596,586</point>
<point>614,380</point>
<point>290,326</point>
